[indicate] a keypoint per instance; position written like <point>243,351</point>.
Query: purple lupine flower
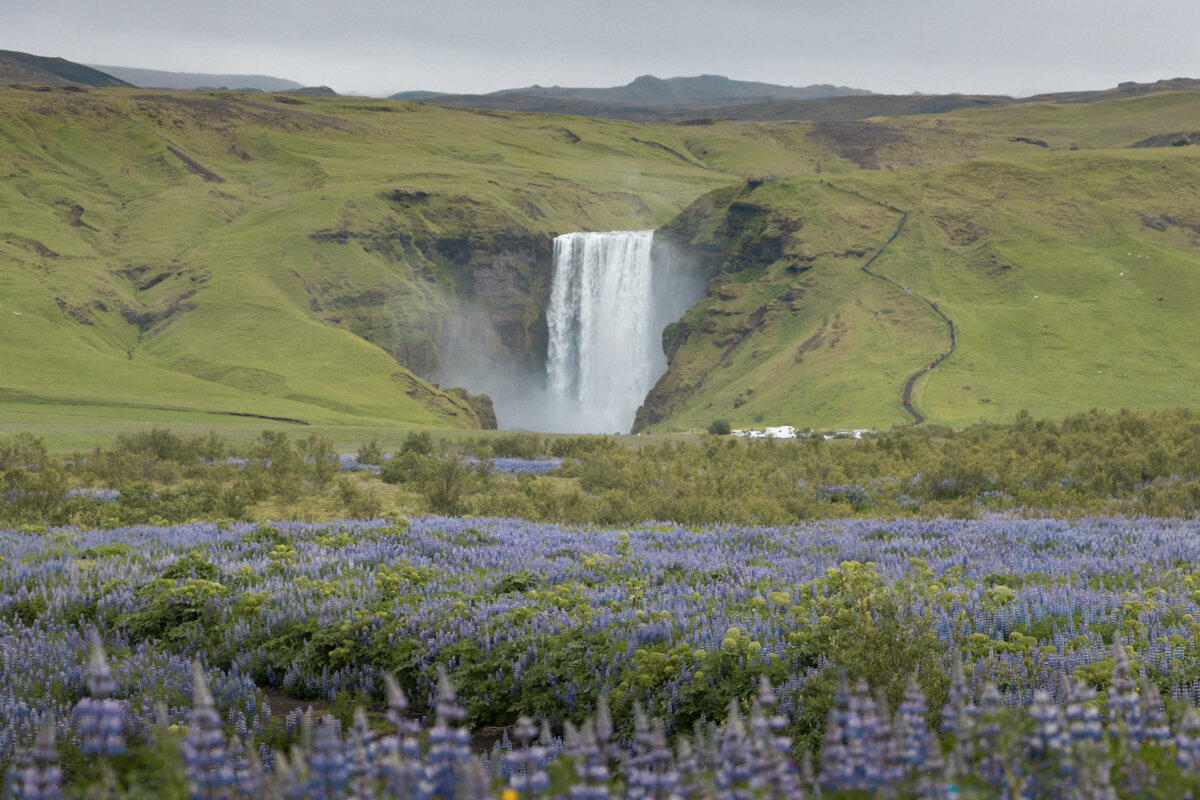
<point>591,765</point>
<point>362,758</point>
<point>1154,719</point>
<point>649,772</point>
<point>99,721</point>
<point>1124,717</point>
<point>1083,719</point>
<point>328,772</point>
<point>736,768</point>
<point>865,747</point>
<point>208,769</point>
<point>1187,740</point>
<point>988,739</point>
<point>835,771</point>
<point>449,743</point>
<point>266,757</point>
<point>247,768</point>
<point>529,777</point>
<point>42,780</point>
<point>777,770</point>
<point>1050,730</point>
<point>99,676</point>
<point>401,751</point>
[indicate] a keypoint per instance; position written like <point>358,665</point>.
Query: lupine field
<point>1023,652</point>
<point>1072,643</point>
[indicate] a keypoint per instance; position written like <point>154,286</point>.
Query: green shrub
<point>517,445</point>
<point>23,450</point>
<point>406,467</point>
<point>418,442</point>
<point>357,502</point>
<point>369,453</point>
<point>719,427</point>
<point>446,485</point>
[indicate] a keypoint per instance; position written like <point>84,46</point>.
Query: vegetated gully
<point>906,392</point>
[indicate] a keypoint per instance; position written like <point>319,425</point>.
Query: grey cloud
<point>379,46</point>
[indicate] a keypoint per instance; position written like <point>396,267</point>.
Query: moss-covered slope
<point>323,259</point>
<point>314,259</point>
<point>1065,250</point>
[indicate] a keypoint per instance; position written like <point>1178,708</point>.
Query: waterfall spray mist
<point>611,295</point>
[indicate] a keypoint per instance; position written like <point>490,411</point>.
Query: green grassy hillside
<point>1071,269</point>
<point>229,257</point>
<point>300,259</point>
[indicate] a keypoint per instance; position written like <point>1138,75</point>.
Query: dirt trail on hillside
<point>906,392</point>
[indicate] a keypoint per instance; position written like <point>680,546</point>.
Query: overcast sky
<point>1015,47</point>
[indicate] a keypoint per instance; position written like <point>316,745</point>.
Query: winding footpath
<point>906,392</point>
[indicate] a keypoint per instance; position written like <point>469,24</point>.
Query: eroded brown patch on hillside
<point>859,142</point>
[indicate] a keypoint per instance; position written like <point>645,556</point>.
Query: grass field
<point>197,256</point>
<point>248,254</point>
<point>1073,277</point>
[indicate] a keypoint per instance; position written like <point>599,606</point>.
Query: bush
<point>419,442</point>
<point>446,485</point>
<point>358,503</point>
<point>27,496</point>
<point>322,460</point>
<point>407,467</point>
<point>719,427</point>
<point>23,450</point>
<point>517,445</point>
<point>369,454</point>
<point>578,446</point>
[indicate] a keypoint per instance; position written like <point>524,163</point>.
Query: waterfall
<point>605,324</point>
<point>611,295</point>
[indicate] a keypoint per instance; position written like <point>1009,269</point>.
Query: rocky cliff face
<point>724,233</point>
<point>463,294</point>
<point>501,313</point>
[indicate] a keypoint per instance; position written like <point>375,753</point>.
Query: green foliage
<point>320,457</point>
<point>31,496</point>
<point>515,582</point>
<point>863,627</point>
<point>370,453</point>
<point>418,442</point>
<point>357,502</point>
<point>174,610</point>
<point>577,446</point>
<point>23,450</point>
<point>719,427</point>
<point>265,535</point>
<point>27,610</point>
<point>399,578</point>
<point>446,485</point>
<point>406,467</point>
<point>191,565</point>
<point>517,445</point>
<point>1089,463</point>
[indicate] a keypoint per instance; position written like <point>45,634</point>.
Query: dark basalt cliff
<point>453,303</point>
<point>725,234</point>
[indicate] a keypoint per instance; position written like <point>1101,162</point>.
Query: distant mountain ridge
<point>650,99</point>
<point>159,79</point>
<point>644,92</point>
<point>25,68</point>
<point>652,91</point>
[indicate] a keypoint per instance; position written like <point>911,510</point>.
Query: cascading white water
<point>605,324</point>
<point>611,296</point>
